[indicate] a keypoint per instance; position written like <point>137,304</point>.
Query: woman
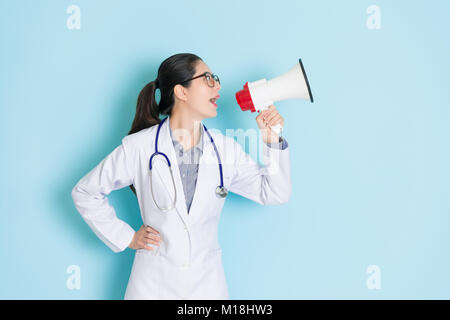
<point>177,251</point>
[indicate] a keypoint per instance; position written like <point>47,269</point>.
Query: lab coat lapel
<point>165,145</point>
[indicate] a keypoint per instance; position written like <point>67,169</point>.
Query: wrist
<point>131,244</point>
<point>268,136</point>
<point>271,138</point>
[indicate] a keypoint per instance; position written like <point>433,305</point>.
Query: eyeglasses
<point>211,79</point>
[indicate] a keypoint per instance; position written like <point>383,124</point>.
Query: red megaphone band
<point>244,99</point>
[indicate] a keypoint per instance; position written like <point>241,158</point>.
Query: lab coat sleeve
<point>266,184</point>
<point>90,198</point>
<point>282,144</point>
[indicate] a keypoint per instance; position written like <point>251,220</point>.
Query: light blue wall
<point>370,158</point>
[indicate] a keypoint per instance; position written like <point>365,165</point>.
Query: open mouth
<point>214,100</point>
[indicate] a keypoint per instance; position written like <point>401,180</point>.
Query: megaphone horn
<point>259,95</point>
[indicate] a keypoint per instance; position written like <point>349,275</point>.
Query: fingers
<point>147,235</point>
<point>268,119</point>
<point>277,119</point>
<point>263,116</point>
<point>149,229</point>
<point>152,239</point>
<point>143,245</point>
<point>271,117</point>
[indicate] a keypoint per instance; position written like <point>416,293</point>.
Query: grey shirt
<point>188,163</point>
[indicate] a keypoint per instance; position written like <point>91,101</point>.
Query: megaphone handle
<point>277,129</point>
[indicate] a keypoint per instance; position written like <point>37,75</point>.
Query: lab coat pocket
<point>145,252</point>
<point>213,255</point>
<point>218,252</point>
<point>144,282</point>
<point>215,281</point>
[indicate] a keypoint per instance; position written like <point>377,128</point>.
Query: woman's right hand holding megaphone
<point>266,119</point>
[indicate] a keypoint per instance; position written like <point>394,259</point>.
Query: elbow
<point>78,198</point>
<point>282,187</point>
<point>285,193</point>
<point>285,196</point>
<point>75,193</point>
<point>281,197</point>
<point>279,193</point>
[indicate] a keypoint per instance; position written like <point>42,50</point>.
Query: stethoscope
<point>221,191</point>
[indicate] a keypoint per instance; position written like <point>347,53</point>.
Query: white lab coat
<point>188,262</point>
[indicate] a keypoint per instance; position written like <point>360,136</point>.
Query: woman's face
<point>199,94</point>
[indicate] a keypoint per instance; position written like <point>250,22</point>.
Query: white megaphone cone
<point>259,95</point>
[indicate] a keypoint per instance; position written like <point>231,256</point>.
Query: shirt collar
<point>198,147</point>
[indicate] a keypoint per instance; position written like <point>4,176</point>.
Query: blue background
<point>370,157</point>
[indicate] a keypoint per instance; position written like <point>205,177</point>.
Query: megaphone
<point>259,95</point>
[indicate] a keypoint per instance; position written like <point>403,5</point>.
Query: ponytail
<point>147,110</point>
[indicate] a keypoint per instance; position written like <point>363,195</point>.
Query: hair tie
<point>156,83</point>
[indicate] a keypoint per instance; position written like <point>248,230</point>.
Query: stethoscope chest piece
<point>221,191</point>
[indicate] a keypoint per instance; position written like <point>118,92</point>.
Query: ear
<point>180,92</point>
